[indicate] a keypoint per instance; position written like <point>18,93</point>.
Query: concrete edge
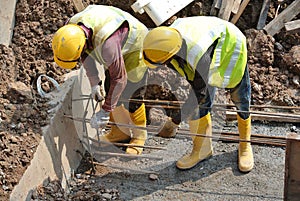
<point>55,157</point>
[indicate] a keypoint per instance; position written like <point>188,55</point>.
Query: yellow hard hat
<point>67,45</point>
<point>160,44</point>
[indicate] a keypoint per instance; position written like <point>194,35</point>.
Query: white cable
<point>41,92</point>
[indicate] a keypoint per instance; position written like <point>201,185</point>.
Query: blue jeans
<point>240,96</point>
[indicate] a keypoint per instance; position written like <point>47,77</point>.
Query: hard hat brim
<point>65,65</point>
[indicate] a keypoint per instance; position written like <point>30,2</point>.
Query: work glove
<point>97,93</point>
<point>99,119</point>
<point>169,129</point>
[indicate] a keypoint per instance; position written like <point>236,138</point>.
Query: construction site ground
<point>274,65</point>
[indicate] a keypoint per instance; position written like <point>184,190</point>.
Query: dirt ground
<point>274,64</point>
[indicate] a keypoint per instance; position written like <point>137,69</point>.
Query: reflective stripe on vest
<point>185,71</point>
<point>230,55</point>
<point>104,21</point>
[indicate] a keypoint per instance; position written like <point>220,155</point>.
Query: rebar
<point>177,103</point>
<point>126,144</point>
<point>123,168</point>
<point>256,138</point>
<point>128,155</point>
<point>216,136</point>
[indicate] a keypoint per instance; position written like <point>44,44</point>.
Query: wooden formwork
<point>292,168</point>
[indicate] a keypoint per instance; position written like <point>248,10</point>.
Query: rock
<point>14,139</point>
<point>156,116</point>
<point>296,80</point>
<point>18,91</point>
<point>278,46</point>
<point>78,176</point>
<point>107,196</point>
<point>153,177</point>
<point>294,129</point>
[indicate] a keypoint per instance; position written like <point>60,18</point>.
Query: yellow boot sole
<point>190,161</point>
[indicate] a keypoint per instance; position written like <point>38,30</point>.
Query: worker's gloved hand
<point>97,93</point>
<point>99,119</point>
<point>169,129</point>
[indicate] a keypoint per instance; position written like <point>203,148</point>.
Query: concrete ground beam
<point>7,20</point>
<point>56,157</point>
<point>292,168</point>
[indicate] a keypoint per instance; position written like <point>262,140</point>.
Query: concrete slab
<point>7,20</point>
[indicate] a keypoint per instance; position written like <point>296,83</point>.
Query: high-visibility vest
<point>229,57</point>
<point>104,21</point>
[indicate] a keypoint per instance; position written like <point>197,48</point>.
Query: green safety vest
<point>104,21</point>
<point>229,57</point>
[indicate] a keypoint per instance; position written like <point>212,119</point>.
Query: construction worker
<point>209,52</point>
<point>113,38</point>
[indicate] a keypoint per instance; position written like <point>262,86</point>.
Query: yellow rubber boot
<point>139,136</point>
<point>246,161</point>
<point>202,146</point>
<point>118,133</point>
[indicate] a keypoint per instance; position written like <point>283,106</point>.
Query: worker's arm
<point>117,78</point>
<point>112,55</point>
<point>199,86</point>
<point>113,58</point>
<point>89,65</point>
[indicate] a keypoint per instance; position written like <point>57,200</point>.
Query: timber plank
<point>236,17</point>
<point>225,10</point>
<point>263,14</point>
<point>215,6</point>
<point>292,168</point>
<point>78,5</point>
<point>285,16</point>
<point>293,26</point>
<point>236,6</point>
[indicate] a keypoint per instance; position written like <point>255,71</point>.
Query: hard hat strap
<point>76,60</point>
<point>151,62</point>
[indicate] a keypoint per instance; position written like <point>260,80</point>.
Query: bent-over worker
<point>209,52</point>
<point>113,38</point>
